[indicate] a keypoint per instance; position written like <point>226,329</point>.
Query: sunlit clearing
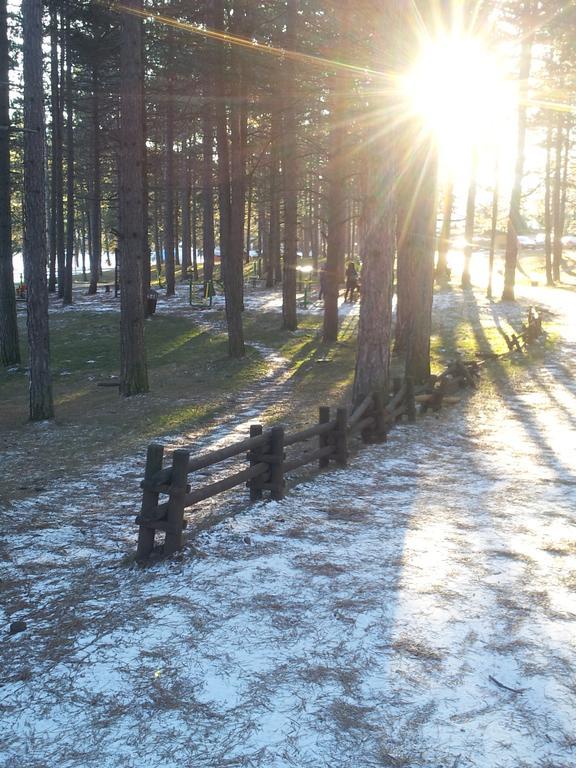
<point>459,88</point>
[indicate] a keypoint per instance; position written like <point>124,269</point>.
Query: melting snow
<point>379,616</point>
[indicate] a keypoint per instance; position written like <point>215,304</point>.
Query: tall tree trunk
<point>249,222</point>
<point>547,207</point>
<point>290,176</point>
<point>194,229</point>
<point>70,203</point>
<point>514,217</point>
<point>274,271</point>
<point>470,219</point>
<point>567,147</point>
<point>416,241</point>
<point>9,347</point>
<point>157,239</point>
<point>377,229</point>
<point>221,123</point>
<point>133,239</point>
<point>83,238</point>
<point>377,249</point>
<point>493,228</point>
<point>336,179</point>
<point>35,254</point>
<point>169,200</point>
<point>442,271</point>
<point>315,233</point>
<point>207,186</point>
<point>57,252</point>
<point>186,223</point>
<point>52,250</point>
<point>147,260</point>
<point>95,191</point>
<point>557,198</point>
<point>234,275</point>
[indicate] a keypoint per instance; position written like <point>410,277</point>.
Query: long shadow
<point>505,389</point>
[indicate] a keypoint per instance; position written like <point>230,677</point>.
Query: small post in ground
<point>342,437</point>
<point>154,458</point>
<point>175,516</point>
<point>323,440</point>
<point>277,463</point>
<point>254,457</point>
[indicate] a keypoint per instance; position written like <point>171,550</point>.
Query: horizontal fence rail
<point>268,459</point>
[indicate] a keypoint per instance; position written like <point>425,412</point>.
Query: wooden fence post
<point>410,400</point>
<point>277,464</point>
<point>380,431</point>
<point>342,437</point>
<point>175,516</point>
<point>254,455</point>
<point>323,440</point>
<point>154,458</point>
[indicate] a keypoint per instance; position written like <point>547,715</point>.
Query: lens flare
<point>458,86</point>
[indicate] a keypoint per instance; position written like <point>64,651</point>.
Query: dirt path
<point>379,616</point>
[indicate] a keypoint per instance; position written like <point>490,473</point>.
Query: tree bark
<point>378,215</point>
<point>95,184</point>
<point>514,217</point>
<point>564,195</point>
<point>221,123</point>
<point>234,275</point>
<point>442,273</point>
<point>169,200</point>
<point>274,263</point>
<point>35,252</point>
<point>336,179</point>
<point>57,243</point>
<point>250,206</point>
<point>494,228</point>
<point>194,229</point>
<point>557,198</point>
<point>9,346</point>
<point>377,249</point>
<point>547,207</point>
<point>133,239</point>
<point>416,245</point>
<point>146,256</point>
<point>290,176</point>
<point>470,218</point>
<point>70,203</point>
<point>186,222</point>
<point>208,239</point>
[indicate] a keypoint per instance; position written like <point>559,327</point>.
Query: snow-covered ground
<point>416,610</point>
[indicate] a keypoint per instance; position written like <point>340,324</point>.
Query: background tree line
<point>176,129</point>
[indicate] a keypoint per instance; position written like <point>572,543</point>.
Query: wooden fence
<point>271,455</point>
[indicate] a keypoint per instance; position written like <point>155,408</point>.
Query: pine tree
<point>133,241</point>
<point>35,253</point>
<point>9,347</point>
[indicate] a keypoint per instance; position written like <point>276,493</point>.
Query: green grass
<point>190,376</point>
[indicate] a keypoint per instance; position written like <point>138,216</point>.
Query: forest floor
<point>193,383</point>
<point>415,610</point>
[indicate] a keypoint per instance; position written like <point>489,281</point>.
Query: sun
<point>460,89</point>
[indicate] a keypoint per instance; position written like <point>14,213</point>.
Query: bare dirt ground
<point>416,610</point>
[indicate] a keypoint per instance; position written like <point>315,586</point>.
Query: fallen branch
<point>505,687</point>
